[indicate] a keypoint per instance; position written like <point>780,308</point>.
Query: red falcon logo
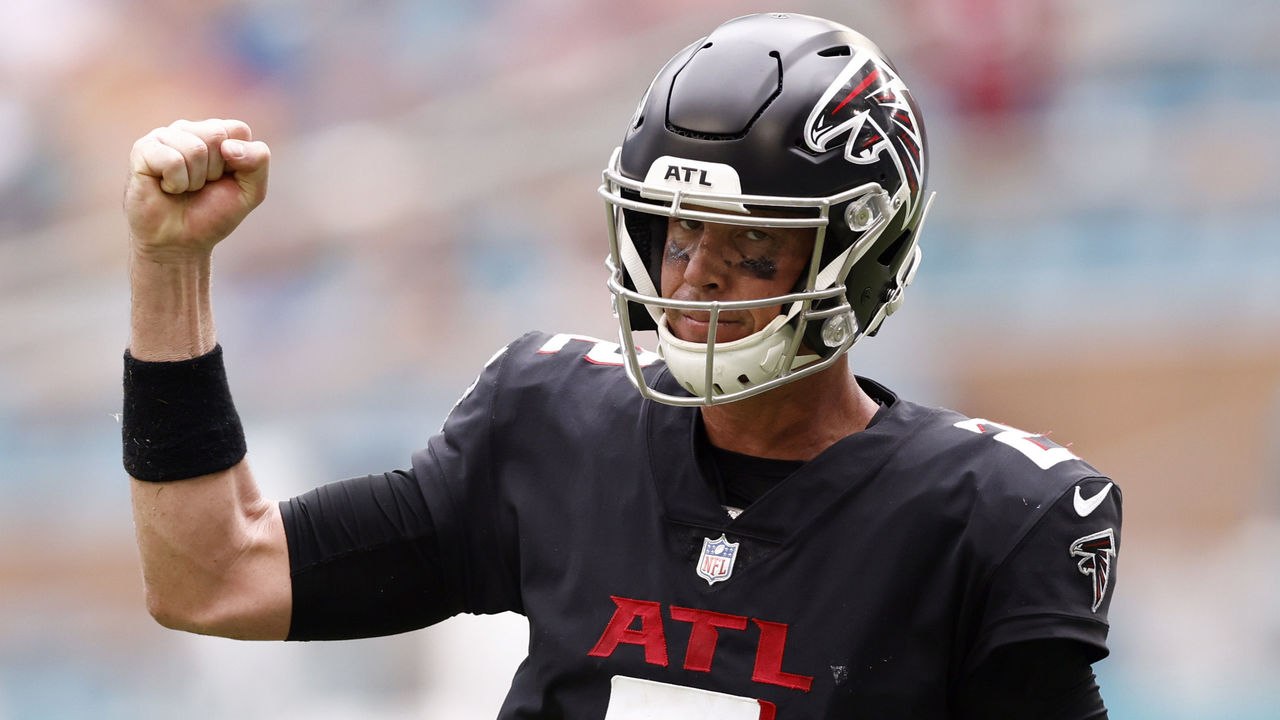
<point>866,107</point>
<point>1096,552</point>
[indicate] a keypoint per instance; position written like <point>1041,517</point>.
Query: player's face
<point>712,261</point>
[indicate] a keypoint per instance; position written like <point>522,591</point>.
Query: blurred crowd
<point>1102,259</point>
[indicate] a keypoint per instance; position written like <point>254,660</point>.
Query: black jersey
<point>868,583</point>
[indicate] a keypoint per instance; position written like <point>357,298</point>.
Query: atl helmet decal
<point>866,106</point>
<point>1096,552</point>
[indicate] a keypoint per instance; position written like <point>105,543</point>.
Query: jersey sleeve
<point>460,475</point>
<point>364,560</point>
<point>399,551</point>
<point>1058,580</point>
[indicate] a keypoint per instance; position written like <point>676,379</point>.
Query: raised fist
<point>190,185</point>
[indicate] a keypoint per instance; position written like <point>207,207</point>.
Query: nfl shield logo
<point>716,562</point>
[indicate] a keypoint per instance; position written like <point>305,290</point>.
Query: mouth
<point>695,326</point>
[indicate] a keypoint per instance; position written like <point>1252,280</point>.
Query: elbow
<point>168,613</point>
<point>204,614</point>
<point>182,611</point>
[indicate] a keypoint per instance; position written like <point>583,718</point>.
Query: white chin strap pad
<point>737,365</point>
<point>635,266</point>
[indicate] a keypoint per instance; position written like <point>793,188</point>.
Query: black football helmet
<point>770,112</point>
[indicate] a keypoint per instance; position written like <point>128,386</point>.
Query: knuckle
<point>237,129</point>
<point>213,130</point>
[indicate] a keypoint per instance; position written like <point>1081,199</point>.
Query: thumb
<point>249,161</point>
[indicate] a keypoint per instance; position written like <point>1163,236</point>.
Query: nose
<point>708,266</point>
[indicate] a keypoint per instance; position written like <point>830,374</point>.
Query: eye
<point>689,225</point>
<point>755,235</point>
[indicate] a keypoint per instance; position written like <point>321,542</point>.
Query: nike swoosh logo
<point>1085,507</point>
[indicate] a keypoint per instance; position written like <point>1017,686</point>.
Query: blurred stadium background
<point>1102,262</point>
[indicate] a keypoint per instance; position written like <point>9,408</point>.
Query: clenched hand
<point>191,184</point>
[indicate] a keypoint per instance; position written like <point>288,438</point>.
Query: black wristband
<point>179,421</point>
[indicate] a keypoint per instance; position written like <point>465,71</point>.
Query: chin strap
<point>635,267</point>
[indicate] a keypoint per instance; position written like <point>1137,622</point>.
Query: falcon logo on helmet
<point>866,107</point>
<point>1096,552</point>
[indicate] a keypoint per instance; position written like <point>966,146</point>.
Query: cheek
<point>669,281</point>
<point>792,271</point>
<point>763,316</point>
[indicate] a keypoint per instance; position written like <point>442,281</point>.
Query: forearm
<point>172,311</point>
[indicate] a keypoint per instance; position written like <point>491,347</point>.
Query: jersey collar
<point>689,500</point>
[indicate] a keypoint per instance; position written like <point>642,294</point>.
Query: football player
<point>756,533</point>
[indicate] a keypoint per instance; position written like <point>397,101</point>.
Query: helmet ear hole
<point>893,252</point>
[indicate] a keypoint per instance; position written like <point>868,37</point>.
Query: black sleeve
<point>364,559</point>
<point>389,553</point>
<point>1058,581</point>
<point>1042,679</point>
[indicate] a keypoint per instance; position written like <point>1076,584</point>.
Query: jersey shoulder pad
<point>542,356</point>
<point>1006,459</point>
<point>563,368</point>
<point>1001,480</point>
<point>1016,479</point>
<point>540,382</point>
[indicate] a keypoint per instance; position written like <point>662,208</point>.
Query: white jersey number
<point>635,699</point>
<point>602,352</point>
<point>1041,450</point>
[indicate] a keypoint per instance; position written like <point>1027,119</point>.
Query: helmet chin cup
<point>709,369</point>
